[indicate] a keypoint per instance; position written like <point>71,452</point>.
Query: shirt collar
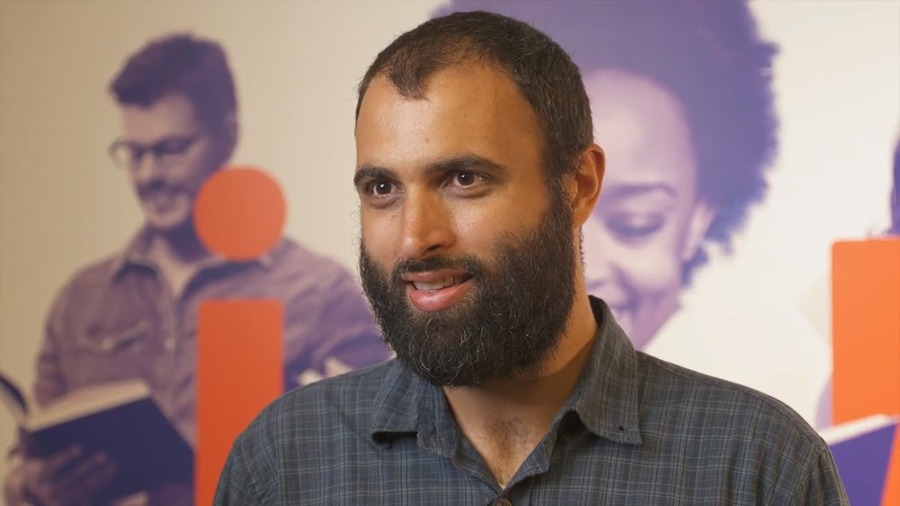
<point>605,397</point>
<point>400,399</point>
<point>136,252</point>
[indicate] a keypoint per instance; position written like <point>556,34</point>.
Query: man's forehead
<point>471,90</point>
<point>171,114</point>
<point>463,113</point>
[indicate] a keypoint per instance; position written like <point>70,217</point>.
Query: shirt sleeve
<point>49,379</point>
<point>342,335</point>
<point>821,486</point>
<point>356,339</point>
<point>237,485</point>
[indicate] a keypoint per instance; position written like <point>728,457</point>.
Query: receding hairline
<point>420,91</point>
<point>460,51</point>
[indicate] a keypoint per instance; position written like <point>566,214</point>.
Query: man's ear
<point>584,185</point>
<point>702,217</point>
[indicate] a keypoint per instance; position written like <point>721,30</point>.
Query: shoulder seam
<point>787,413</point>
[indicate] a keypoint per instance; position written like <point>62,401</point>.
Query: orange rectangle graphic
<point>866,337</point>
<point>239,372</point>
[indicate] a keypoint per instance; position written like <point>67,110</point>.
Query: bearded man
<point>476,169</point>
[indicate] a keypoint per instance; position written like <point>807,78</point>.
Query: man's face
<point>649,221</point>
<point>467,258</point>
<point>169,153</point>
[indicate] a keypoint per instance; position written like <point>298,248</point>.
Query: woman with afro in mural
<point>682,106</point>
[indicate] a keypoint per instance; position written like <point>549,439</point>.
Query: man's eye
<point>174,147</point>
<point>382,188</point>
<point>135,154</point>
<point>466,178</point>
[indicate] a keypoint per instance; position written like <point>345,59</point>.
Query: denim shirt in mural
<point>117,319</point>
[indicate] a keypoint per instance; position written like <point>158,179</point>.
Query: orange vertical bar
<point>239,372</point>
<point>866,337</point>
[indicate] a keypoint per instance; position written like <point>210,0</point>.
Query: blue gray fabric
<point>636,430</point>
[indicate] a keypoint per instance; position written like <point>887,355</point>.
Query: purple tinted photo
<point>682,105</point>
<point>133,315</point>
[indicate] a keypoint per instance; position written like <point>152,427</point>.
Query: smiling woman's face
<point>650,220</point>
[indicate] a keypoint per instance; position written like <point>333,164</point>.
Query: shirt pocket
<point>114,341</point>
<point>113,353</point>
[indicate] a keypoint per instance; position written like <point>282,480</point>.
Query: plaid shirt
<point>636,430</point>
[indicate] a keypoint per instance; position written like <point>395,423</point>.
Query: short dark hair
<point>708,55</point>
<point>179,63</point>
<point>541,69</point>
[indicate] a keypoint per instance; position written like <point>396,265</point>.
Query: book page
<point>850,430</point>
<point>13,398</point>
<point>88,400</point>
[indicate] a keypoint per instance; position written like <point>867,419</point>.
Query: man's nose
<point>146,168</point>
<point>426,225</point>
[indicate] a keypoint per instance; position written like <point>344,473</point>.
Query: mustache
<point>157,186</point>
<point>469,264</point>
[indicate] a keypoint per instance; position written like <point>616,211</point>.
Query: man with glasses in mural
<point>134,314</point>
<point>476,170</point>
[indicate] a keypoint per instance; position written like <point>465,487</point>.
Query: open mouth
<point>436,291</point>
<point>431,286</point>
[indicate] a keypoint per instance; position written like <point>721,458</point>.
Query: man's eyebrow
<point>371,172</point>
<point>463,163</point>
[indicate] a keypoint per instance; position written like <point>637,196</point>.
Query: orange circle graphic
<point>239,213</point>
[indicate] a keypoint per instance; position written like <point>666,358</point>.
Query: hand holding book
<point>106,441</point>
<point>67,477</point>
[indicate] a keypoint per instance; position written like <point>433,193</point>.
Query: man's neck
<point>178,255</point>
<point>505,421</point>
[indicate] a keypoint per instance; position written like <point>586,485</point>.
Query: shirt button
<point>503,502</point>
<point>169,344</point>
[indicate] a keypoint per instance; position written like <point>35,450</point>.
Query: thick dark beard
<point>505,329</point>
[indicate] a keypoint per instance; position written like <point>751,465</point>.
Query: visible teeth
<point>423,285</point>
